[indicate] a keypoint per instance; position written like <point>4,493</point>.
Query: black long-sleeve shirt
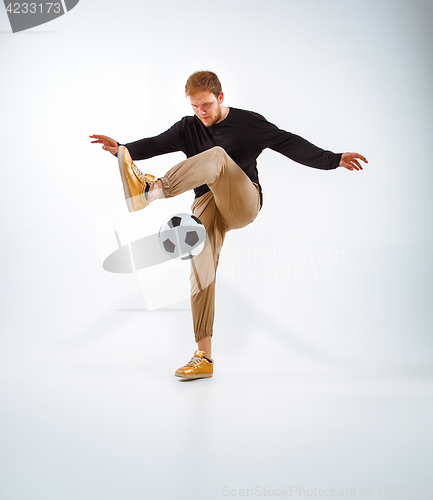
<point>242,134</point>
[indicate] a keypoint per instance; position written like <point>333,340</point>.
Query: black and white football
<point>183,235</point>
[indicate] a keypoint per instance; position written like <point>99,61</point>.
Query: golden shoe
<point>135,183</point>
<point>198,367</point>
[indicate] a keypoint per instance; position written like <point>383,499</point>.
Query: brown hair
<point>200,81</point>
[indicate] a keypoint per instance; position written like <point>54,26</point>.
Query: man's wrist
<point>115,154</point>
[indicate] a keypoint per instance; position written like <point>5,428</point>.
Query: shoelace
<point>142,177</point>
<point>138,171</point>
<point>194,360</point>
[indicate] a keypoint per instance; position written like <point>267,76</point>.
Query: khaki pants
<point>232,202</point>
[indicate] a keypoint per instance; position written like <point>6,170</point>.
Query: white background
<point>319,381</point>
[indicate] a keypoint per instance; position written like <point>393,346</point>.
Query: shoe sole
<point>120,157</point>
<point>194,376</point>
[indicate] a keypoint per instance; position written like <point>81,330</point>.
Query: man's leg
<point>236,197</point>
<point>233,202</point>
<point>205,345</point>
<point>203,271</point>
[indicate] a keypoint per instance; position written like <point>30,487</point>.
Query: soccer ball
<point>182,236</point>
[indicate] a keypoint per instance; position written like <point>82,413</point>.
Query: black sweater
<point>242,134</point>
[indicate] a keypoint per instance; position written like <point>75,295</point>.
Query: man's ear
<point>221,97</point>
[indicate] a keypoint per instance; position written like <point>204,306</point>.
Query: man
<point>222,145</point>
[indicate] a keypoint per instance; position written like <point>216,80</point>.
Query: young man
<point>222,145</point>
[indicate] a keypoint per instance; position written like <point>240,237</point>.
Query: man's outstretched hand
<point>108,143</point>
<point>350,161</point>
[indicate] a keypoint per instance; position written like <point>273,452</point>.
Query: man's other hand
<point>108,143</point>
<point>350,161</point>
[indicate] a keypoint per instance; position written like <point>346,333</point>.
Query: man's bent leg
<point>236,197</point>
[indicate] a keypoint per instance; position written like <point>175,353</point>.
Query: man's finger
<point>362,158</point>
<point>99,137</point>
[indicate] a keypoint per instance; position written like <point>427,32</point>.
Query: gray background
<point>320,381</point>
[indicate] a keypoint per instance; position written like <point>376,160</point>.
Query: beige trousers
<point>232,202</point>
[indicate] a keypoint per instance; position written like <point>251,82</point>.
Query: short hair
<point>200,81</point>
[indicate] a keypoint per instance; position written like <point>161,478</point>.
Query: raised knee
<point>218,150</point>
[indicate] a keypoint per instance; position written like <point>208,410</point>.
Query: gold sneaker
<point>198,367</point>
<point>135,183</point>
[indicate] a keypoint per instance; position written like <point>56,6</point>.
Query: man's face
<point>207,107</point>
